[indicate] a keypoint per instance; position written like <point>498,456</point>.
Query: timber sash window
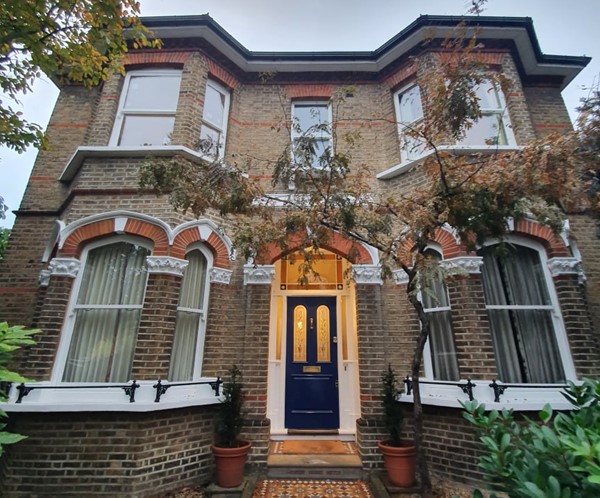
<point>409,112</point>
<point>521,313</point>
<point>311,133</point>
<point>492,128</point>
<point>188,342</point>
<point>147,107</point>
<point>214,120</point>
<point>441,339</point>
<point>107,314</point>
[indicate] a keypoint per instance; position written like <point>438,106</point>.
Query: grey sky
<point>563,27</point>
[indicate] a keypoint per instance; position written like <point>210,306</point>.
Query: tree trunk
<point>417,361</point>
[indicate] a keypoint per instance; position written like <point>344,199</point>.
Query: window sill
<point>84,152</point>
<point>407,165</point>
<point>54,397</point>
<point>523,397</point>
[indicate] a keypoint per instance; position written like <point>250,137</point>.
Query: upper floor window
<point>311,133</point>
<point>214,120</point>
<point>491,129</point>
<point>523,317</point>
<point>147,107</point>
<point>441,340</point>
<point>190,325</point>
<point>409,111</point>
<point>106,313</point>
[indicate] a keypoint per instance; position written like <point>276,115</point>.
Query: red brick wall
<point>109,454</point>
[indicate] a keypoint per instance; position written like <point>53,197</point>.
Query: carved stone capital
<point>463,264</point>
<point>367,274</point>
<point>220,275</point>
<point>259,274</point>
<point>166,264</point>
<point>64,267</point>
<point>400,277</point>
<point>44,278</point>
<point>564,266</point>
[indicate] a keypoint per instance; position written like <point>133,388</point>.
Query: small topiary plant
<point>393,414</point>
<point>230,417</point>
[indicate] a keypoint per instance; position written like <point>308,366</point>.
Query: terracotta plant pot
<point>399,462</point>
<point>230,463</point>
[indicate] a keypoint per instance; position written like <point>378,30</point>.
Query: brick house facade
<point>184,308</point>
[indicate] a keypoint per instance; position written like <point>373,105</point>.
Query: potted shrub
<point>229,451</point>
<point>399,454</point>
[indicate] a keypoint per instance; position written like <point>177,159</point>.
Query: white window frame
<point>560,332</point>
<point>203,312</point>
<point>407,155</point>
<point>122,113</point>
<point>296,134</point>
<point>213,126</point>
<point>502,112</point>
<point>69,323</point>
<point>427,353</point>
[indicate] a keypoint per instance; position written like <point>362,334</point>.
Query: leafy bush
<point>11,339</point>
<point>555,457</point>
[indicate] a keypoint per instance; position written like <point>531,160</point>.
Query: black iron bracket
<point>130,390</point>
<point>498,390</point>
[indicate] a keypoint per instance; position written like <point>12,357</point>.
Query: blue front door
<point>311,384</point>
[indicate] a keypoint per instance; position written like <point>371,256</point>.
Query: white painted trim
<point>463,264</point>
<point>259,274</point>
<point>44,278</point>
<point>367,274</point>
<point>220,275</point>
<point>64,267</point>
<point>524,398</point>
<point>400,277</point>
<point>205,227</point>
<point>84,152</point>
<point>166,264</point>
<point>53,240</point>
<point>459,150</point>
<point>564,266</point>
<point>109,399</point>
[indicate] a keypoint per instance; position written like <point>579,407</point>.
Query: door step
<point>313,432</point>
<point>339,461</point>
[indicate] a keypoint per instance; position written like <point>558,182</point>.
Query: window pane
<point>411,108</point>
<point>307,116</point>
<point>488,96</point>
<point>214,107</point>
<point>210,140</point>
<point>146,130</point>
<point>488,130</point>
<point>103,340</point>
<point>311,151</point>
<point>443,352</point>
<point>160,92</point>
<point>187,325</point>
<point>524,340</point>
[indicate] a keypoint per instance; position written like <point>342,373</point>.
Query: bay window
<point>106,313</point>
<point>147,107</point>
